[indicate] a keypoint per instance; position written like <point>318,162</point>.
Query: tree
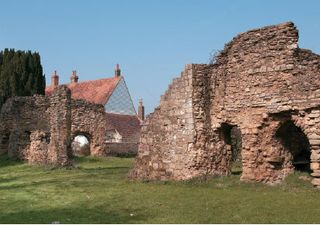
<point>21,74</point>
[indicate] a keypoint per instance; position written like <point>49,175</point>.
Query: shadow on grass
<point>95,169</point>
<point>82,159</point>
<point>8,180</point>
<point>5,161</point>
<point>236,172</point>
<point>98,214</point>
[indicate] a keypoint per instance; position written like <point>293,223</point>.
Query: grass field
<point>97,191</point>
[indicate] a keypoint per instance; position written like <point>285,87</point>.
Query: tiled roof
<point>95,91</point>
<point>127,125</point>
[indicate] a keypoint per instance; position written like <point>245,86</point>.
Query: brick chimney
<point>74,78</point>
<point>141,110</point>
<point>54,79</point>
<point>117,71</point>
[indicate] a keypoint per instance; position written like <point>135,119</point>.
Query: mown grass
<point>98,191</point>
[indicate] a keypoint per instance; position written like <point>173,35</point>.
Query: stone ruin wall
<point>59,148</point>
<point>39,129</point>
<point>88,119</point>
<point>167,134</point>
<point>19,121</point>
<point>258,82</point>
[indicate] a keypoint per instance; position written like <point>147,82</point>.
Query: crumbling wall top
<point>264,43</point>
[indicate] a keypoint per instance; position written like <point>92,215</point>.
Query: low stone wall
<point>37,128</point>
<point>121,149</point>
<point>40,129</point>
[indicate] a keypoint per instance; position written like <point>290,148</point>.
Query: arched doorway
<point>295,141</point>
<point>231,136</point>
<point>81,145</point>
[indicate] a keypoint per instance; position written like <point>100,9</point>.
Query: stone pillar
<point>59,151</point>
<point>314,139</point>
<point>313,126</point>
<point>37,153</point>
<point>264,158</point>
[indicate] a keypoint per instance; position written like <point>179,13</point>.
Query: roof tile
<point>95,91</point>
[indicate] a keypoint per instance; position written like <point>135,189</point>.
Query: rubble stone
<point>261,83</point>
<point>39,129</point>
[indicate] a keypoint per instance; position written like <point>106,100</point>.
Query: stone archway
<point>81,144</point>
<point>296,145</point>
<point>231,137</point>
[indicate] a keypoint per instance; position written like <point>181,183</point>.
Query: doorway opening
<point>296,142</point>
<point>231,135</point>
<point>81,145</point>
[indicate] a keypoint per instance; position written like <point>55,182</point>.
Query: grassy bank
<point>97,191</point>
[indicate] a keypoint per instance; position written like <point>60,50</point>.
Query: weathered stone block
<point>315,166</point>
<point>316,181</point>
<point>314,136</point>
<point>314,142</point>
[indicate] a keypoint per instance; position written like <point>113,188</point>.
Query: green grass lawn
<point>98,191</point>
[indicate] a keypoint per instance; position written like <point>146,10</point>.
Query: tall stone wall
<point>259,82</point>
<point>167,137</point>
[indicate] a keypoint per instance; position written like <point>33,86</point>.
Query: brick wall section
<point>261,80</point>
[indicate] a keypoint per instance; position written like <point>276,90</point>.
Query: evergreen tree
<point>21,74</point>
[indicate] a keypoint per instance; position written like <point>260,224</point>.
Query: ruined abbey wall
<point>260,82</point>
<point>15,131</point>
<point>40,129</point>
<point>88,119</point>
<point>167,135</point>
<point>37,128</point>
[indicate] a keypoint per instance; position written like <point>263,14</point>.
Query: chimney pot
<point>141,110</point>
<point>117,71</point>
<point>74,78</point>
<point>54,79</point>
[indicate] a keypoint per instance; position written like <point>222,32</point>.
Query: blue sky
<point>151,40</point>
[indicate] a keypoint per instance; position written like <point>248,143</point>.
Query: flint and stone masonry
<point>39,129</point>
<point>261,84</point>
